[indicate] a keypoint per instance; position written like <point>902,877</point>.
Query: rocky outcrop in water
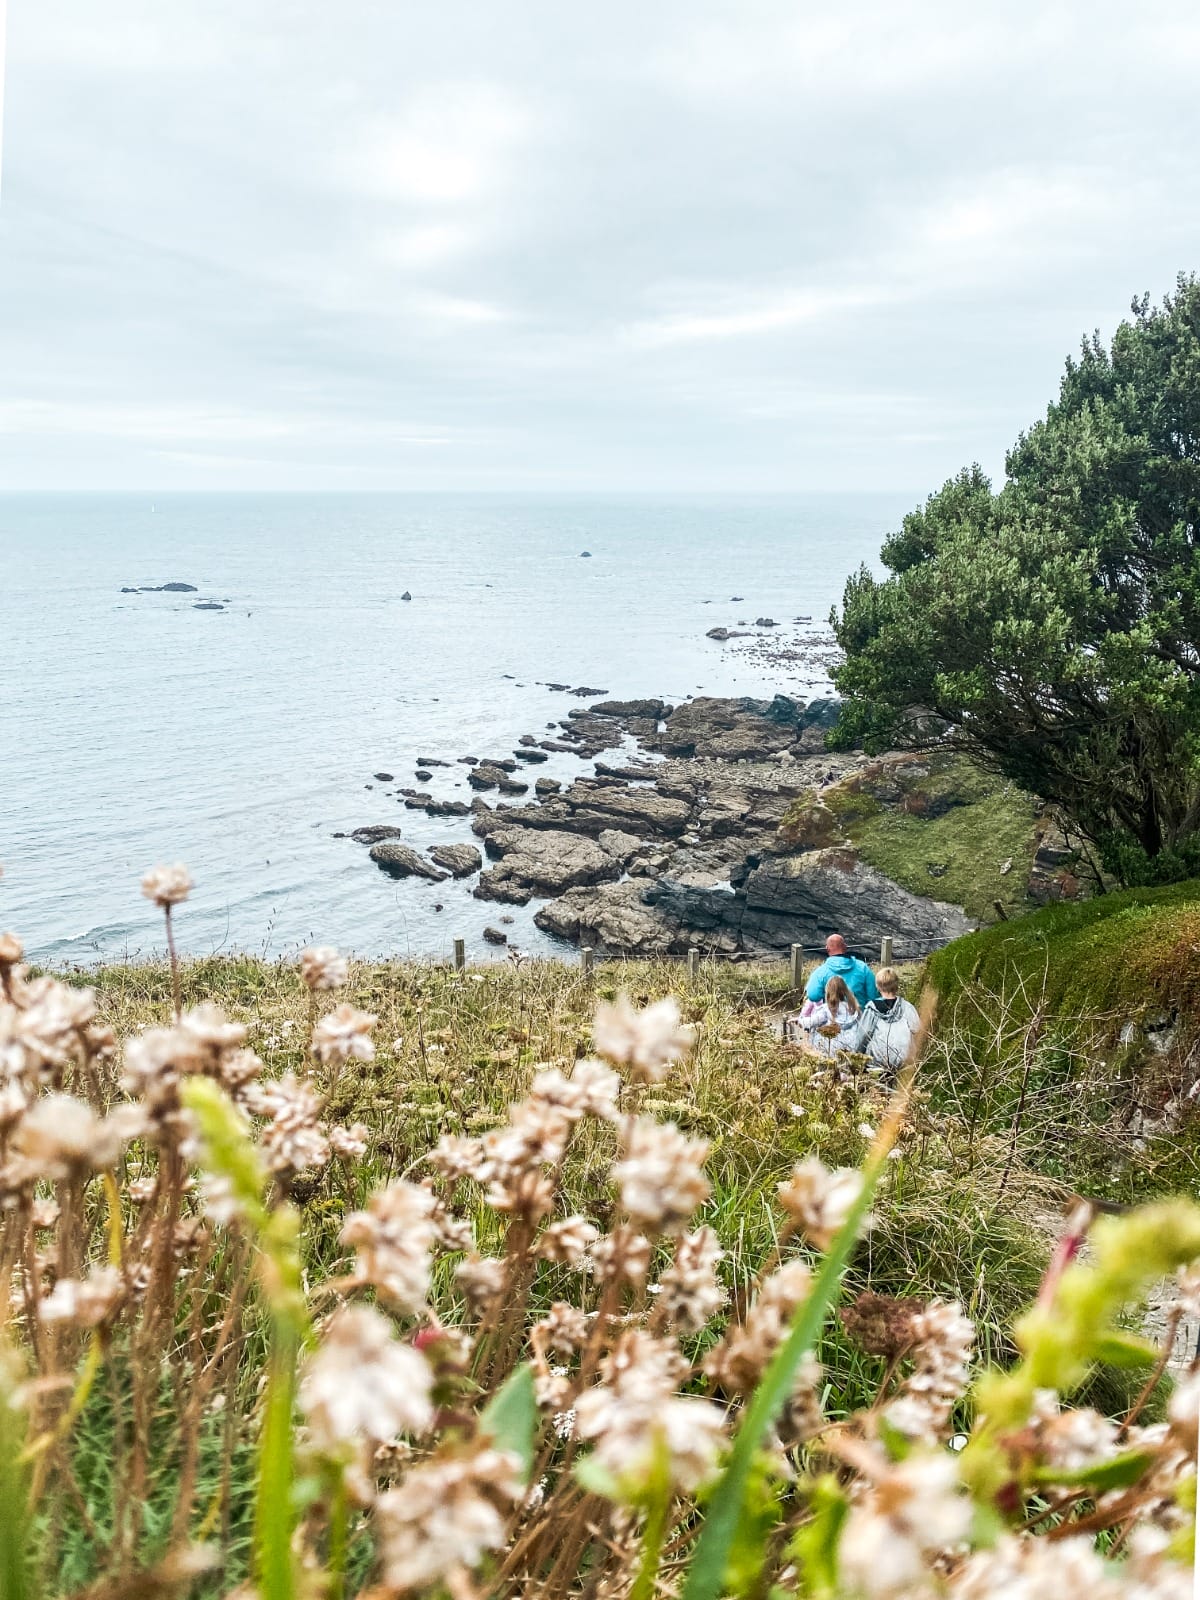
<point>399,861</point>
<point>459,860</point>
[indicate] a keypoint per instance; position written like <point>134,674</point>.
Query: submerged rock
<point>374,832</point>
<point>495,935</point>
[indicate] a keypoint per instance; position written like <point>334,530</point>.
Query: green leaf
<point>16,1574</point>
<point>274,1511</point>
<point>1124,1350</point>
<point>706,1573</point>
<point>510,1417</point>
<point>1117,1473</point>
<point>815,1546</point>
<point>590,1474</point>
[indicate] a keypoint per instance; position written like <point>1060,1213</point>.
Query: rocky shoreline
<point>686,837</point>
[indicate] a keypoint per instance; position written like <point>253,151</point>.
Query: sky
<point>666,246</point>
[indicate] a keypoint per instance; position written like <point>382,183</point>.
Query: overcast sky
<point>536,244</point>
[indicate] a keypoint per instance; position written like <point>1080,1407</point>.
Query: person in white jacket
<point>832,1024</point>
<point>890,1028</point>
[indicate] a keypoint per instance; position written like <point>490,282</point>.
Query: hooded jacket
<point>856,975</point>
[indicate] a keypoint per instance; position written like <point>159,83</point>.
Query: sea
<point>151,726</point>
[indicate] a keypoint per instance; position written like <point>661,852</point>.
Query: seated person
<point>832,1024</point>
<point>890,1026</point>
<point>855,974</point>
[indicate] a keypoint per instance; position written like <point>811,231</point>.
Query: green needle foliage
<point>1055,624</point>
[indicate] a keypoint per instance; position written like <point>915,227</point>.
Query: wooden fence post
<point>797,965</point>
<point>885,950</point>
<point>460,954</point>
<point>588,955</point>
<point>693,964</point>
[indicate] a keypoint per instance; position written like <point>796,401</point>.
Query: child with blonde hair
<point>890,1028</point>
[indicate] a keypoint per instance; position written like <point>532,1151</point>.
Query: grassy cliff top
<point>1129,953</point>
<point>935,824</point>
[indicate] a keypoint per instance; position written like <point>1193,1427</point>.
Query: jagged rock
<point>505,890</point>
<point>730,730</point>
<point>721,634</point>
<point>490,775</point>
<point>374,832</point>
<point>622,847</point>
<point>431,761</point>
<point>495,935</point>
<point>611,916</point>
<point>406,595</point>
<point>399,861</point>
<point>447,808</point>
<point>505,763</point>
<point>460,860</point>
<point>798,899</point>
<point>525,754</point>
<point>468,761</point>
<point>630,708</point>
<point>545,786</point>
<point>546,860</point>
<point>422,776</point>
<point>765,622</point>
<point>382,777</point>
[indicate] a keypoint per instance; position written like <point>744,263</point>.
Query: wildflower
<point>913,1511</point>
<point>44,1213</point>
<point>648,1041</point>
<point>167,886</point>
<point>482,1278</point>
<point>1070,1567</point>
<point>456,1157</point>
<point>819,1201</point>
<point>210,1031</point>
<point>343,1035</point>
<point>598,1087</point>
<point>568,1241</point>
<point>446,1514</point>
<point>638,1421</point>
<point>294,1139</point>
<point>689,1291</point>
<point>943,1339</point>
<point>622,1256</point>
<point>53,1022</point>
<point>661,1176</point>
<point>393,1238</point>
<point>61,1136</point>
<point>86,1302</point>
<point>1183,1411</point>
<point>350,1143</point>
<point>563,1330</point>
<point>741,1358</point>
<point>322,968</point>
<point>362,1383</point>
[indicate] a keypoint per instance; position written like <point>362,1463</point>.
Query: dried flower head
<point>446,1515</point>
<point>819,1201</point>
<point>482,1278</point>
<point>689,1294</point>
<point>167,886</point>
<point>649,1041</point>
<point>943,1341</point>
<point>393,1238</point>
<point>86,1302</point>
<point>322,968</point>
<point>343,1035</point>
<point>741,1358</point>
<point>362,1383</point>
<point>661,1175</point>
<point>568,1242</point>
<point>60,1136</point>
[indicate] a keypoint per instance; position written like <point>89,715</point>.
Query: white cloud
<point>730,314</point>
<point>449,144</point>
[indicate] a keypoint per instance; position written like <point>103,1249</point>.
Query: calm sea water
<point>135,728</point>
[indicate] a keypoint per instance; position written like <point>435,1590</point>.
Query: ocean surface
<point>137,729</point>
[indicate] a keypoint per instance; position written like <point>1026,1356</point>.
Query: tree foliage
<point>1055,624</point>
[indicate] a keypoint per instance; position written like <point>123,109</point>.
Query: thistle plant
<point>533,1359</point>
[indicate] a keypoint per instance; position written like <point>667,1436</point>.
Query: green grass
<point>955,1216</point>
<point>1127,952</point>
<point>936,824</point>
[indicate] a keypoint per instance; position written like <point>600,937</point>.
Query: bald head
<point>835,945</point>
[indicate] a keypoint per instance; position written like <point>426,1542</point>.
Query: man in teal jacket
<point>856,974</point>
